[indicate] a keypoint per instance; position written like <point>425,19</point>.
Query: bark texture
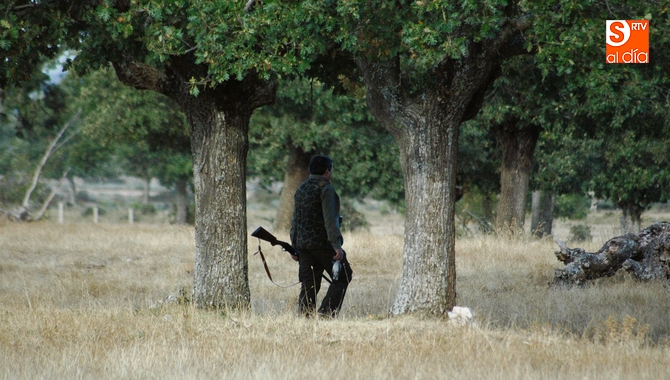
<point>645,255</point>
<point>425,124</point>
<point>542,212</point>
<point>219,120</point>
<point>518,148</point>
<point>296,173</point>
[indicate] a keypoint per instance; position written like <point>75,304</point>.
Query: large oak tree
<point>212,49</point>
<point>426,67</point>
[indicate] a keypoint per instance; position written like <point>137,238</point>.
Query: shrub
<point>88,211</point>
<point>83,196</point>
<point>572,206</point>
<point>580,232</point>
<point>148,209</point>
<point>352,219</point>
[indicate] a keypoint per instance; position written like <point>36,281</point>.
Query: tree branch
<point>53,146</point>
<point>46,203</point>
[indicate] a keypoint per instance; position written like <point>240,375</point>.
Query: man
<point>315,234</point>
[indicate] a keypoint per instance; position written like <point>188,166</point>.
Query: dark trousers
<point>313,262</point>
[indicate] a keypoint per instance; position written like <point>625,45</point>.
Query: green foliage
<point>83,196</point>
<point>564,162</point>
<point>13,149</point>
<point>312,118</point>
<point>572,206</point>
<point>88,211</point>
<point>604,125</point>
<point>147,209</point>
<point>13,188</point>
<point>422,34</point>
<point>479,159</point>
<point>146,131</point>
<point>352,219</point>
<point>31,117</point>
<point>19,36</point>
<point>580,232</point>
<point>637,170</point>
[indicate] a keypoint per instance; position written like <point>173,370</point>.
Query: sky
<point>55,70</point>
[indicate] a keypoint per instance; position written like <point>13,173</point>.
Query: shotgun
<point>263,234</point>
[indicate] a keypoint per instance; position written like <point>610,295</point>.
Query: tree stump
<point>645,255</point>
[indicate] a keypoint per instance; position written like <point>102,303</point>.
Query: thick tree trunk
<point>182,204</point>
<point>220,146</point>
<point>296,173</point>
<point>426,125</point>
<point>646,255</point>
<point>518,148</point>
<point>219,119</point>
<point>631,215</point>
<point>542,212</point>
<point>428,157</point>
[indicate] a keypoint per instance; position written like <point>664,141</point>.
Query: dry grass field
<point>85,301</point>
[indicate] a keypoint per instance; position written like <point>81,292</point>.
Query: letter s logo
<point>617,33</point>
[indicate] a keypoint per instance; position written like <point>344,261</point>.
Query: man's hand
<point>339,254</point>
<point>294,257</point>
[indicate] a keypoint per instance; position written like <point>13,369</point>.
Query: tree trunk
<point>631,216</point>
<point>296,173</point>
<point>73,190</point>
<point>425,124</point>
<point>38,215</point>
<point>182,204</point>
<point>542,212</point>
<point>518,147</point>
<point>219,120</point>
<point>487,207</point>
<point>428,159</point>
<point>646,255</point>
<point>219,166</point>
<point>147,191</point>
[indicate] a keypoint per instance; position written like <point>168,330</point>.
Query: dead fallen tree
<point>645,255</point>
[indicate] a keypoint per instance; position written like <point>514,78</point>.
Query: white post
<point>95,214</point>
<point>60,213</point>
<point>130,215</point>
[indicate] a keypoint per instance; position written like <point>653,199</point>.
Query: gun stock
<point>263,234</point>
